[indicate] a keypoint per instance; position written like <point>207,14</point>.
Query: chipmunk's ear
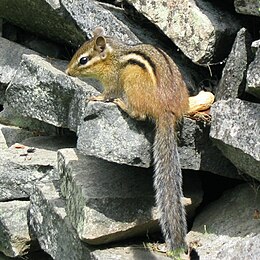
<point>98,31</point>
<point>100,44</point>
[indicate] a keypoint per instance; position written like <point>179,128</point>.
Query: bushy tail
<point>168,184</point>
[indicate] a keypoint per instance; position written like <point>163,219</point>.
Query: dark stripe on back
<point>147,58</point>
<point>166,58</point>
<point>135,62</point>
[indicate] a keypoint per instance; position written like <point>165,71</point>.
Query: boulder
<point>52,20</point>
<point>89,185</point>
<point>15,236</point>
<point>229,227</point>
<point>200,29</point>
<point>233,80</point>
<point>39,90</point>
<point>249,7</point>
<point>10,57</point>
<point>253,76</point>
<point>108,133</point>
<point>235,130</point>
<point>50,224</point>
<point>10,135</point>
<point>22,165</point>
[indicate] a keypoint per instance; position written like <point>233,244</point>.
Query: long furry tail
<point>168,184</point>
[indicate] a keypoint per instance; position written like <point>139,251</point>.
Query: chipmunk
<point>145,83</point>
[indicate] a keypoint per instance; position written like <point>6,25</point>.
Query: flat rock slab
<point>14,230</point>
<point>10,135</point>
<point>236,131</point>
<point>10,57</point>
<point>51,226</point>
<point>109,202</point>
<point>200,30</point>
<point>229,228</point>
<point>48,13</point>
<point>250,7</point>
<point>127,253</point>
<point>108,133</point>
<point>42,91</point>
<point>253,76</point>
<point>21,168</point>
<point>233,80</point>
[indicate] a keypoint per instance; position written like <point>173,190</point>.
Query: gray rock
<point>41,91</point>
<point>233,80</point>
<point>250,7</point>
<point>110,134</point>
<point>8,116</point>
<point>51,226</point>
<point>100,16</point>
<point>127,253</point>
<point>12,134</point>
<point>253,76</point>
<point>236,131</point>
<point>10,57</point>
<point>255,46</point>
<point>89,185</point>
<point>49,13</point>
<point>229,228</point>
<point>200,30</point>
<point>14,231</point>
<point>20,170</point>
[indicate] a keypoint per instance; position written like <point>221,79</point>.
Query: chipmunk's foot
<point>120,103</point>
<point>203,116</point>
<point>100,98</point>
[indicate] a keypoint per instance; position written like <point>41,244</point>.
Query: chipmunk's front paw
<point>96,98</point>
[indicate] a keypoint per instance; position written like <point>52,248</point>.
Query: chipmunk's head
<point>91,58</point>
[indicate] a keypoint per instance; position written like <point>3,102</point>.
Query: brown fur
<point>145,82</point>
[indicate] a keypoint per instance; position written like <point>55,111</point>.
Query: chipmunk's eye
<point>83,60</point>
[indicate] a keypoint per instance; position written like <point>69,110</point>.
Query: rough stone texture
<point>233,80</point>
<point>253,76</point>
<point>51,226</point>
<point>197,28</point>
<point>10,57</point>
<point>40,90</point>
<point>8,116</point>
<point>113,136</point>
<point>229,228</point>
<point>251,7</point>
<point>89,185</point>
<point>10,135</point>
<point>98,16</point>
<point>52,20</point>
<point>236,131</point>
<point>14,231</point>
<point>127,253</point>
<point>110,134</point>
<point>20,170</point>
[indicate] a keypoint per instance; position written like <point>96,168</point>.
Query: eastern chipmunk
<point>144,82</point>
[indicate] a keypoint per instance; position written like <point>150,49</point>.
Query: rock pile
<point>76,177</point>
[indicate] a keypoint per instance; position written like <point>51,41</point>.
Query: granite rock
<point>233,80</point>
<point>90,184</point>
<point>22,165</point>
<point>253,76</point>
<point>15,236</point>
<point>50,224</point>
<point>229,227</point>
<point>249,7</point>
<point>235,130</point>
<point>40,90</point>
<point>200,30</point>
